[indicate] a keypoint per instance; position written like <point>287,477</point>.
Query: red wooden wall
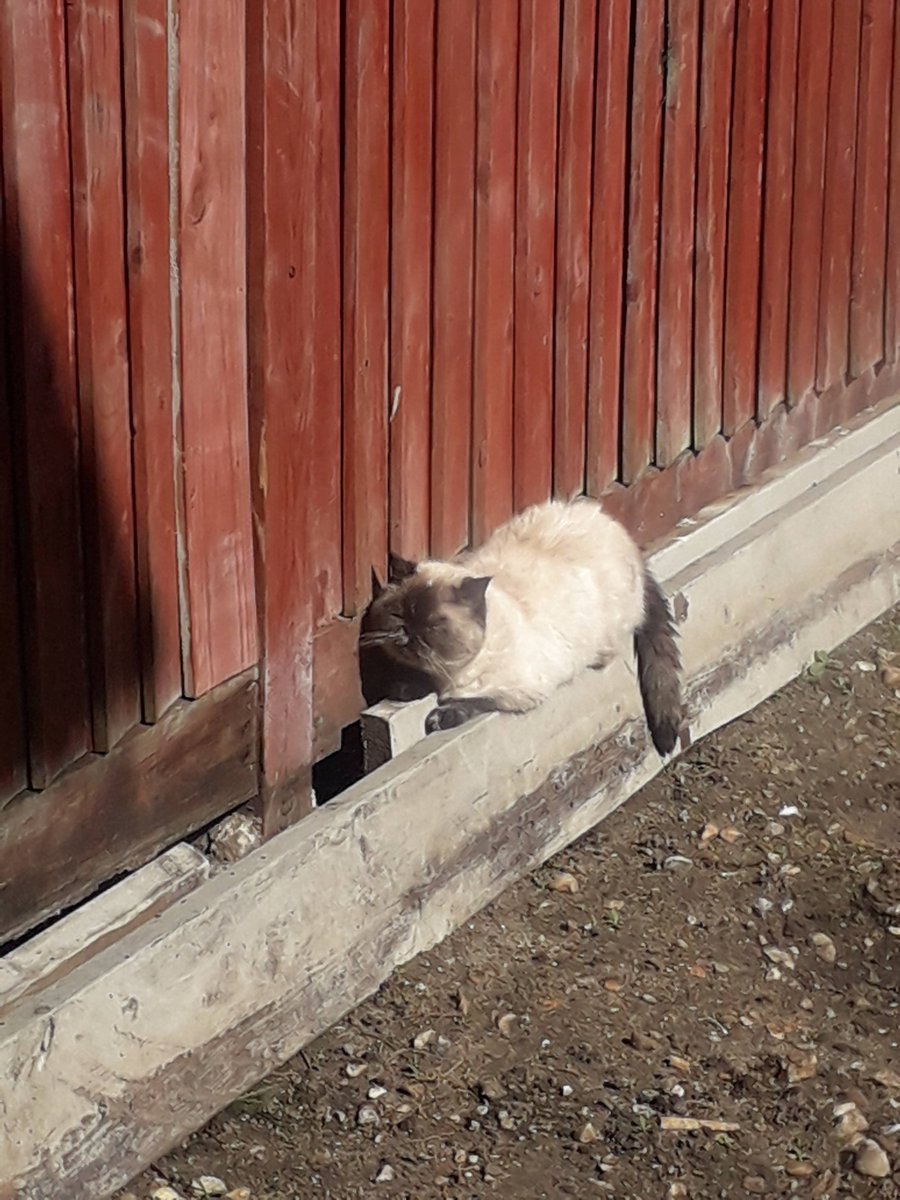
<point>289,282</point>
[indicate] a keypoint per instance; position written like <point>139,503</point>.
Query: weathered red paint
<point>495,210</point>
<point>604,412</point>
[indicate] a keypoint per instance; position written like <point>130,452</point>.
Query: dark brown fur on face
<point>418,629</point>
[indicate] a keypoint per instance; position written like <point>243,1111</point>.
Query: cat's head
<point>430,617</point>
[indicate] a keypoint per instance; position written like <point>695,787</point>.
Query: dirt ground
<point>725,948</point>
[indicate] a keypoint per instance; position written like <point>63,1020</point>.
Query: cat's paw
<point>446,716</point>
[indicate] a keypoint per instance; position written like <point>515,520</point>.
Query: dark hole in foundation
<point>343,768</point>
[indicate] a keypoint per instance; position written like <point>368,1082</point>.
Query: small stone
<point>613,985</point>
<point>491,1089</point>
<point>367,1115</point>
<point>165,1193</point>
<point>587,1134</point>
<point>800,1170</point>
<point>824,947</point>
<point>864,666</point>
<point>756,1185</point>
<point>566,1091</point>
<point>778,956</point>
<point>710,831</point>
<point>850,1121</point>
<point>730,834</point>
<point>423,1039</point>
<point>507,1023</point>
<point>563,881</point>
<point>890,677</point>
<point>376,1091</point>
<point>209,1185</point>
<point>240,1193</point>
<point>385,1174</point>
<point>504,1120</point>
<point>678,862</point>
<point>677,1191</point>
<point>679,1063</point>
<point>871,1160</point>
<point>353,1069</point>
<point>804,1068</point>
<point>234,837</point>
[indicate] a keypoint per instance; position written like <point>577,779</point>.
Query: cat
<point>559,588</point>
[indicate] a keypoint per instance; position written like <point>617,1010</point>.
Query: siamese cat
<point>559,588</point>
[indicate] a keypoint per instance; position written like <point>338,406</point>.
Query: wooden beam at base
<point>112,813</point>
<point>261,966</point>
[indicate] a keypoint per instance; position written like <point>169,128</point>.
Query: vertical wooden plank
<point>454,227</point>
<point>38,251</point>
<point>147,151</point>
<point>870,226</point>
<point>892,279</point>
<point>676,266</point>
<point>742,264</point>
<point>777,204</point>
<point>608,246</point>
<point>294,340</point>
<point>213,343</point>
<point>94,38</point>
<point>809,190</point>
<point>366,260</point>
<point>840,175</point>
<point>573,244</point>
<point>13,753</point>
<point>412,103</point>
<point>641,299</point>
<point>495,209</point>
<point>535,250</point>
<point>716,72</point>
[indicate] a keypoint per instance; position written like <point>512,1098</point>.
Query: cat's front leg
<point>451,713</point>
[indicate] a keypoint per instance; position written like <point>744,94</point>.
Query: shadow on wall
<point>70,654</point>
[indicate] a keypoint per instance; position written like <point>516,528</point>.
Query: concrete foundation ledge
<point>109,1065</point>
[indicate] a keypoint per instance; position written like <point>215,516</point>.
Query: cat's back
<point>576,534</point>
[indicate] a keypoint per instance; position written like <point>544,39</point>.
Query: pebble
<point>240,1193</point>
<point>507,1023</point>
<point>376,1091</point>
<point>824,947</point>
<point>871,1160</point>
<point>386,1174</point>
<point>756,1185</point>
<point>800,1170</point>
<point>423,1039</point>
<point>367,1116</point>
<point>850,1121</point>
<point>504,1120</point>
<point>566,1090</point>
<point>730,835</point>
<point>492,1089</point>
<point>165,1193</point>
<point>587,1134</point>
<point>677,1191</point>
<point>209,1185</point>
<point>353,1069</point>
<point>563,881</point>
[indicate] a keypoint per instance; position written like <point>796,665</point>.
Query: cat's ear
<point>473,593</point>
<point>400,568</point>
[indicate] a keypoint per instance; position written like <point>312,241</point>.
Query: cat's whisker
<point>378,639</point>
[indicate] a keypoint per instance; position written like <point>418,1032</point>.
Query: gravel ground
<point>699,999</point>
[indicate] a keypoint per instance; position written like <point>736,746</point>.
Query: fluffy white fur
<point>566,593</point>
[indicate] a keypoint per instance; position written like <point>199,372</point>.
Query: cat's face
<point>428,623</point>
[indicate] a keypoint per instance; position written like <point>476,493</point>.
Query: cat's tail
<point>659,668</point>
